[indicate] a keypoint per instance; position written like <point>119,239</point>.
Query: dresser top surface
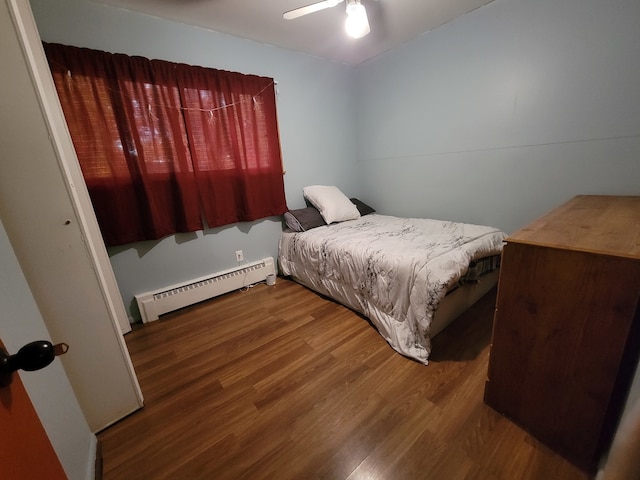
<point>601,224</point>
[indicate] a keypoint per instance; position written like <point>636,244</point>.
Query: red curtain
<point>159,147</point>
<point>232,128</point>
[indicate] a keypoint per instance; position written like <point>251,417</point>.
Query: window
<point>163,145</point>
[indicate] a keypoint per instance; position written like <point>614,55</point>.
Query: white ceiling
<point>322,34</point>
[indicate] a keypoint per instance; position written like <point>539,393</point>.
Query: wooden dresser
<point>566,332</point>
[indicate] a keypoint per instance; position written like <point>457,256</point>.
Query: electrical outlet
<point>239,256</point>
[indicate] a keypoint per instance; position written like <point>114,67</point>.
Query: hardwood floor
<point>280,383</point>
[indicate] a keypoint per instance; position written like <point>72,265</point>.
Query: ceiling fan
<point>356,24</point>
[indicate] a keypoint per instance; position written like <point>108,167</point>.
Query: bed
<point>409,276</point>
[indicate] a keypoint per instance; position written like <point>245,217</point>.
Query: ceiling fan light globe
<point>357,23</point>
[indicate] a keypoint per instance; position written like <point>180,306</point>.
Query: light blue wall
<point>504,113</point>
<point>315,114</point>
<point>493,118</point>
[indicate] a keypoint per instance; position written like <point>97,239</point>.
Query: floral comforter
<point>393,270</point>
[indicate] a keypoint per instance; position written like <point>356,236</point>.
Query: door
<point>25,450</point>
<point>66,263</point>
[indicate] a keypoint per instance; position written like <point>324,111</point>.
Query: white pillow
<point>333,205</point>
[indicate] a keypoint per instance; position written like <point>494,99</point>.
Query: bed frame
<point>460,300</point>
<point>452,305</point>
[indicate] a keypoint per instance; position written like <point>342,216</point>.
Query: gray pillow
<point>362,207</point>
<point>303,219</point>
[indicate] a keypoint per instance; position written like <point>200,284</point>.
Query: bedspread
<point>393,270</point>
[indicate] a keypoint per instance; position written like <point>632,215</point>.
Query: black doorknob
<point>33,356</point>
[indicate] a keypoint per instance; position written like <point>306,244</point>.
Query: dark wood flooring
<point>280,383</point>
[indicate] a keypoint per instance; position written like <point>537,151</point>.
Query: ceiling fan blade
<point>314,7</point>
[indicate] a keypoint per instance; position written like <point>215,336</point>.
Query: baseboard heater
<point>165,300</point>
